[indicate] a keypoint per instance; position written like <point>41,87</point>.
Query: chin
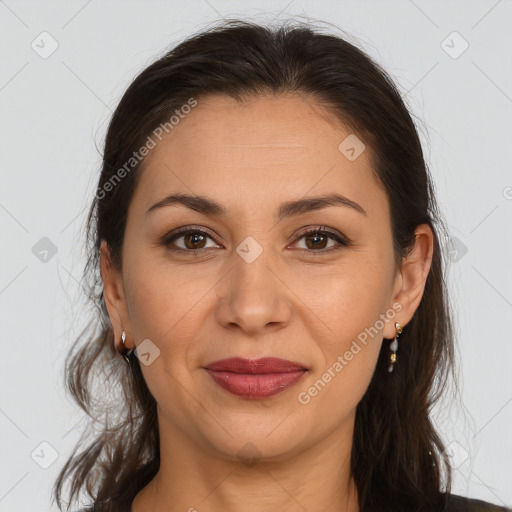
<point>258,436</point>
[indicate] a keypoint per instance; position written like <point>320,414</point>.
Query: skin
<point>293,301</point>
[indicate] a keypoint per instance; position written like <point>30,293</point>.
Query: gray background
<point>54,113</point>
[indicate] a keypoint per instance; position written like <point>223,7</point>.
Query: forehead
<point>264,149</point>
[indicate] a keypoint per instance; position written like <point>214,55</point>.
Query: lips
<point>257,378</point>
<point>255,366</point>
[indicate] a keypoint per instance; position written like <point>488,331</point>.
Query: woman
<point>265,234</point>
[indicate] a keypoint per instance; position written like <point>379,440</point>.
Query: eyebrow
<point>208,206</point>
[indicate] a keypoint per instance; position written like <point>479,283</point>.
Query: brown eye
<point>316,240</point>
<point>193,240</point>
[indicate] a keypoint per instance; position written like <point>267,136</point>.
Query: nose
<point>253,297</point>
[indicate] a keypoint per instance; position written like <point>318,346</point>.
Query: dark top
<point>462,504</point>
<point>455,503</point>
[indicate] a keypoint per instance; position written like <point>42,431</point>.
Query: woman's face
<point>252,285</point>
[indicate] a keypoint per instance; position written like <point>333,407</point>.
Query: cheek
<point>352,303</point>
<point>163,308</point>
<point>348,299</point>
<point>149,303</point>
<point>160,301</point>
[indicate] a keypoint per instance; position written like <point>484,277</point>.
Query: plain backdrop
<point>64,66</point>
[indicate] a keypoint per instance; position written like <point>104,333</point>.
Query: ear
<point>115,298</point>
<point>411,279</point>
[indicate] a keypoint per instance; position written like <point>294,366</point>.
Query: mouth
<point>256,378</point>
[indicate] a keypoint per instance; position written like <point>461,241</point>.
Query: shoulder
<point>456,503</point>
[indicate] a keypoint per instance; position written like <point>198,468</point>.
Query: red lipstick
<point>256,378</point>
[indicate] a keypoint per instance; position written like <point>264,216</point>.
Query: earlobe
<point>414,272</point>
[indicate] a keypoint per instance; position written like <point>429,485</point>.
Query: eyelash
<point>169,238</point>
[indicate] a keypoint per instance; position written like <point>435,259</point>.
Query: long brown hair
<point>397,456</point>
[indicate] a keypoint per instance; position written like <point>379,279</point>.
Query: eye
<point>316,238</point>
<point>194,240</point>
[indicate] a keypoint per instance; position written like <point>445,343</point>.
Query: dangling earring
<point>394,346</point>
<point>125,354</point>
